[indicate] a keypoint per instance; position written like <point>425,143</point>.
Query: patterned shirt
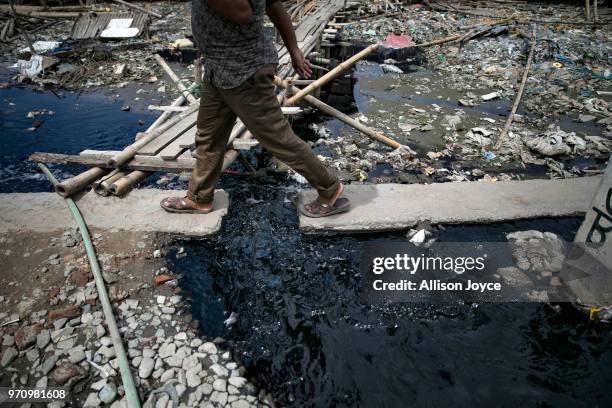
<point>232,52</point>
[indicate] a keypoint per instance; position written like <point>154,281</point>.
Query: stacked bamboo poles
<point>75,184</point>
<point>144,138</point>
<point>102,186</point>
<point>122,185</point>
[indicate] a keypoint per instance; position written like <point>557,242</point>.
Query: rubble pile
<point>57,337</point>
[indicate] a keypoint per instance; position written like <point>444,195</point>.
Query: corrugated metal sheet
<point>91,25</point>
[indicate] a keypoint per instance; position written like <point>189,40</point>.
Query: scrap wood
<point>135,7</point>
<point>519,95</point>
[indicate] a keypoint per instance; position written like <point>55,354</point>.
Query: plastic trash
<point>488,156</point>
<point>391,68</point>
<point>120,28</point>
<point>419,237</point>
<point>491,96</point>
<point>182,43</point>
<point>549,145</point>
<point>41,47</point>
<point>396,41</point>
<point>231,320</point>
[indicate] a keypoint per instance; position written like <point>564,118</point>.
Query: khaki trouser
<point>255,103</point>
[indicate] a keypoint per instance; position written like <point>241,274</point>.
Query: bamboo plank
<point>177,147</point>
<point>163,140</point>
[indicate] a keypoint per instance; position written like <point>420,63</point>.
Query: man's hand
<point>300,64</point>
<point>281,20</point>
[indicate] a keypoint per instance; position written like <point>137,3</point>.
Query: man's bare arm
<point>236,11</point>
<point>281,20</point>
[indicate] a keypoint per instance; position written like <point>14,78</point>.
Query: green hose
<point>124,365</point>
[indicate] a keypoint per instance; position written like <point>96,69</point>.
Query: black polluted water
<point>304,334</point>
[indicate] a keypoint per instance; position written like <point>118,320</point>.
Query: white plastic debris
<point>491,96</point>
<point>231,320</point>
<point>40,47</point>
<point>391,68</point>
<point>31,68</point>
<point>419,237</point>
<point>119,28</point>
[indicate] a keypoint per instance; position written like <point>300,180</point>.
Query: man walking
<point>239,68</point>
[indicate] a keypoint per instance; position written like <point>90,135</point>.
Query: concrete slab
<point>385,207</point>
<point>588,271</point>
<point>138,211</point>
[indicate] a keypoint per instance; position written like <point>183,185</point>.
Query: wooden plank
<point>95,158</point>
<point>178,146</point>
<point>163,140</point>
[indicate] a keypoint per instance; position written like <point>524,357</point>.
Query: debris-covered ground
<point>450,101</point>
<point>112,64</point>
<point>54,332</point>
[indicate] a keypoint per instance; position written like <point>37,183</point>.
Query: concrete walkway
<point>384,207</point>
<point>138,211</point>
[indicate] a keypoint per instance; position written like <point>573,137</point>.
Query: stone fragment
<point>49,364</point>
<point>8,355</point>
<point>43,338</point>
<point>220,385</point>
<point>108,393</point>
<point>26,336</point>
<point>146,367</point>
<point>66,372</point>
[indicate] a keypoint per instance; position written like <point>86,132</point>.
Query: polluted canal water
<point>306,336</point>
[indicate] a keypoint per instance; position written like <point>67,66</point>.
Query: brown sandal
<point>317,209</point>
<point>178,205</point>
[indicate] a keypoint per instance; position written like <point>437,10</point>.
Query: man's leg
<point>214,125</point>
<point>256,105</point>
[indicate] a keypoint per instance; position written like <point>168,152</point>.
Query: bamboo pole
<point>588,10</point>
<point>595,11</point>
<point>124,184</point>
<point>22,30</point>
<point>519,94</point>
<point>4,32</point>
<point>333,73</point>
<point>135,7</point>
<point>75,184</point>
<point>130,151</point>
<point>378,136</point>
<point>174,77</point>
<point>441,40</point>
<point>103,186</point>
